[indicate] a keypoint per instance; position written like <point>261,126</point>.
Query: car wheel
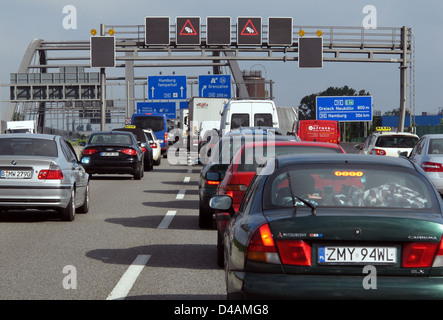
<point>220,250</point>
<point>139,173</point>
<point>85,207</point>
<point>204,219</point>
<point>158,161</point>
<point>68,213</point>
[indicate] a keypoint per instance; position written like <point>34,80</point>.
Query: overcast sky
<point>23,20</point>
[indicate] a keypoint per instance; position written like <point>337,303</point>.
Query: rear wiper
<point>310,205</point>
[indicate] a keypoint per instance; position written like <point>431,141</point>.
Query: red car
<point>244,166</point>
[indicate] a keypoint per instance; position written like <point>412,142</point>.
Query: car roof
<point>139,133</point>
<point>293,142</point>
<point>29,135</point>
<point>338,158</point>
<point>389,133</point>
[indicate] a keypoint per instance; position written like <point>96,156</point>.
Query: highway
<point>140,240</point>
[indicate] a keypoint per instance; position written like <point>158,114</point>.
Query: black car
<point>114,152</point>
<point>143,141</point>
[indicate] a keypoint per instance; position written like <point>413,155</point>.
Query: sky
<point>21,21</point>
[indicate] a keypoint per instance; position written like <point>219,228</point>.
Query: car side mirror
<point>212,176</point>
<point>403,154</point>
<point>222,203</point>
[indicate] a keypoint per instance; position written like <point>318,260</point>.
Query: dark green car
<point>336,226</point>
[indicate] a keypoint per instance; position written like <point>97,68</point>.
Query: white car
<point>386,143</point>
<point>428,154</point>
<point>156,147</point>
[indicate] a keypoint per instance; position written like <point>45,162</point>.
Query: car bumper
<point>280,286</point>
<point>118,167</point>
<point>35,197</point>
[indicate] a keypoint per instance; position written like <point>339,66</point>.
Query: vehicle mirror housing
<point>221,202</point>
<point>212,176</point>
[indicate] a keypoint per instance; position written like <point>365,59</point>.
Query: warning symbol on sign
<point>188,29</point>
<point>249,29</point>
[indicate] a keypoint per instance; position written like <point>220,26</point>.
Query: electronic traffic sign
<point>166,108</point>
<point>310,52</point>
<point>249,31</point>
<point>157,31</point>
<point>344,108</point>
<point>187,31</point>
<point>218,31</point>
<point>214,86</point>
<point>102,52</point>
<point>167,87</point>
<point>280,31</point>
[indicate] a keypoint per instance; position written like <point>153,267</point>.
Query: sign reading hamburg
<point>344,108</point>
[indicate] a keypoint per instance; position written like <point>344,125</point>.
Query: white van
<point>248,113</point>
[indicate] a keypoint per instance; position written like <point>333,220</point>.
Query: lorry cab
<point>248,113</point>
<point>317,130</point>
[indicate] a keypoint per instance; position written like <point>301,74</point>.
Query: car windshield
<point>351,186</point>
<point>28,147</point>
<point>252,157</point>
<point>155,123</point>
<point>397,141</point>
<point>108,138</point>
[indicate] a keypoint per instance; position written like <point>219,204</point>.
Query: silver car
<point>428,154</point>
<point>39,171</point>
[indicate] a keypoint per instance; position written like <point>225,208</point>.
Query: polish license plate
<point>357,255</point>
<point>15,174</point>
<point>109,154</point>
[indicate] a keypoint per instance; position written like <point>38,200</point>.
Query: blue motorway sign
<point>166,108</point>
<point>167,87</point>
<point>214,86</point>
<point>344,108</point>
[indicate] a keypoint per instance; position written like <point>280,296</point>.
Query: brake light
<point>154,145</point>
<point>144,149</point>
<point>166,137</point>
<point>379,152</point>
<point>296,252</point>
<point>53,173</point>
<point>419,254</point>
<point>89,151</point>
<point>261,247</point>
<point>236,190</point>
<point>438,260</point>
<point>212,183</point>
<point>432,166</point>
<point>129,152</point>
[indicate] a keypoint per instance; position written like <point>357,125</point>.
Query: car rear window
<point>396,141</point>
<point>251,158</point>
<point>28,147</point>
<point>154,123</point>
<point>435,146</point>
<point>348,186</point>
<point>110,139</point>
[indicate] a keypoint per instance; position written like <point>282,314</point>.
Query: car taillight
<point>379,152</point>
<point>166,137</point>
<point>432,166</point>
<point>438,260</point>
<point>294,252</point>
<point>212,183</point>
<point>53,173</point>
<point>144,149</point>
<point>89,151</point>
<point>154,145</point>
<point>129,152</point>
<point>420,254</point>
<point>261,247</point>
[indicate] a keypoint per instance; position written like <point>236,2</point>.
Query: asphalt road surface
<point>140,240</point>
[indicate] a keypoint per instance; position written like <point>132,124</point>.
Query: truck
<point>249,113</point>
<point>202,109</point>
<point>317,130</point>
<point>25,126</point>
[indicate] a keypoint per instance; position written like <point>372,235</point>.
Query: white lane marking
<point>180,195</point>
<point>167,220</point>
<point>187,179</point>
<point>126,282</point>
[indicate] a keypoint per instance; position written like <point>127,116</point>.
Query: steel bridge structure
<point>56,76</point>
